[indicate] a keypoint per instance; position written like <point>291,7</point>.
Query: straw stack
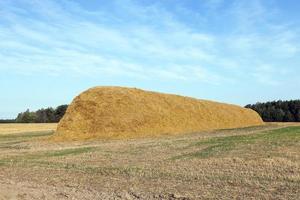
<point>119,112</point>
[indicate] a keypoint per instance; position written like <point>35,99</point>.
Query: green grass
<point>29,135</point>
<point>28,158</point>
<point>9,144</point>
<point>221,145</point>
<point>66,152</point>
<point>13,141</point>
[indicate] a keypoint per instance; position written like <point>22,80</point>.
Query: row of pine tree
<point>278,111</point>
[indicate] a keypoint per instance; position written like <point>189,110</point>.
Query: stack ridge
<point>119,112</point>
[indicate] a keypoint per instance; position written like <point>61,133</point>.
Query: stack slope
<point>119,112</point>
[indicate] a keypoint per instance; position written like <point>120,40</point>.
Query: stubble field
<point>15,128</point>
<point>249,163</point>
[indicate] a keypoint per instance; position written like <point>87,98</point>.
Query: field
<point>249,163</point>
<point>25,128</point>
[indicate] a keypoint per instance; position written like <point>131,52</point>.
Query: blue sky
<point>235,51</point>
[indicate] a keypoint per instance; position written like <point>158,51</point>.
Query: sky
<point>233,51</point>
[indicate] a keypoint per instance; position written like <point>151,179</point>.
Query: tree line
<point>48,115</point>
<point>7,121</point>
<point>278,111</point>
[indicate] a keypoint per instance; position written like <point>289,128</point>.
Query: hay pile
<point>118,112</point>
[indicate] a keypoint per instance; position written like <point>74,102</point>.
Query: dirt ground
<point>249,163</point>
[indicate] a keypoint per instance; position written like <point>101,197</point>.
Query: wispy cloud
<point>143,41</point>
<point>58,40</point>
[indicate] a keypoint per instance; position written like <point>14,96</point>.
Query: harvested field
<point>249,163</point>
<point>118,112</point>
<point>15,128</point>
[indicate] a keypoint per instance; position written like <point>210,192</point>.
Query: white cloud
<point>144,42</point>
<point>58,40</point>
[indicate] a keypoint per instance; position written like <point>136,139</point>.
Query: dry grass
<point>117,112</point>
<point>15,128</point>
<point>249,163</point>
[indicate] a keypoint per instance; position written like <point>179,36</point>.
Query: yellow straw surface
<point>118,112</point>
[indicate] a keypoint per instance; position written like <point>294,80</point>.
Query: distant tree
<point>48,115</point>
<point>60,112</point>
<point>277,115</point>
<point>278,111</point>
<point>41,116</point>
<point>26,117</point>
<point>289,117</point>
<point>297,116</point>
<point>7,121</point>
